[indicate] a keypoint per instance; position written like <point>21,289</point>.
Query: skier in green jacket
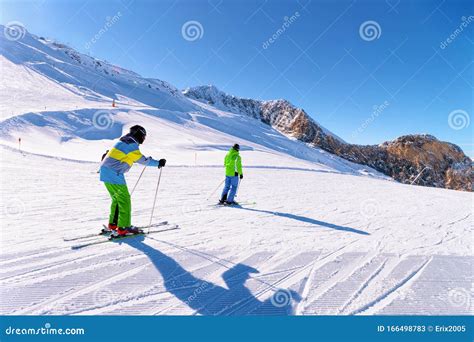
<point>233,171</point>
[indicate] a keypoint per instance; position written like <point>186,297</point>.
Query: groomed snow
<point>344,244</point>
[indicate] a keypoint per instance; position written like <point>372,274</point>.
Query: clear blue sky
<point>319,62</point>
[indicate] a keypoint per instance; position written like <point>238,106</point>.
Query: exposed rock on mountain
<point>419,159</point>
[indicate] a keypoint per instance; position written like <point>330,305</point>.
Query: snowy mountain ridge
<point>73,88</point>
<point>75,104</point>
<point>102,66</point>
<point>417,157</point>
<point>74,75</point>
<point>279,113</point>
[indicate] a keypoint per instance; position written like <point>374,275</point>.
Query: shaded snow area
<point>307,242</point>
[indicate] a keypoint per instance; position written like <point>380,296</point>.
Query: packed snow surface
<point>308,242</point>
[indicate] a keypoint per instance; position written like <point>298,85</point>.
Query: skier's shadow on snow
<point>206,298</point>
<point>306,220</point>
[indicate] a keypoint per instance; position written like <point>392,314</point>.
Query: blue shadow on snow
<point>306,220</point>
<point>206,298</point>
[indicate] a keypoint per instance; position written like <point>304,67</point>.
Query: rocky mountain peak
<point>416,158</point>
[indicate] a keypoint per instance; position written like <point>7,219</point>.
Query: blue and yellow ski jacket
<point>120,159</point>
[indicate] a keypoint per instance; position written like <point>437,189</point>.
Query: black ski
<point>217,205</point>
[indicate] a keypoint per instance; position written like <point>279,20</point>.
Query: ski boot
<point>123,231</point>
<point>231,203</point>
<point>109,230</point>
<point>223,200</point>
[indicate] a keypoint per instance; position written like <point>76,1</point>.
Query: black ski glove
<point>241,176</point>
<point>161,163</point>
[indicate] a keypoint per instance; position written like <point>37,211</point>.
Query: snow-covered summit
<point>211,95</point>
<point>75,74</point>
<point>56,95</point>
<point>64,103</point>
<point>419,157</point>
<point>279,113</point>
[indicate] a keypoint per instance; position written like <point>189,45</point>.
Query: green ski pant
<point>121,208</point>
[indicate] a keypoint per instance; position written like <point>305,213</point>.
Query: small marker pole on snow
<point>154,201</point>
<point>220,184</point>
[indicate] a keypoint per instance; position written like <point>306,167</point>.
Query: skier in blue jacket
<point>115,163</point>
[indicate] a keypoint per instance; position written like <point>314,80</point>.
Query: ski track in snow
<point>325,257</point>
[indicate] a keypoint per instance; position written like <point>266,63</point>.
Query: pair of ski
<point>107,234</point>
<point>214,206</point>
<point>218,205</point>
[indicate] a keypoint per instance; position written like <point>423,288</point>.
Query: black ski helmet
<point>236,147</point>
<point>138,133</point>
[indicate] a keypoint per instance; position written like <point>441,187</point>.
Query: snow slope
<point>321,243</point>
<point>318,235</point>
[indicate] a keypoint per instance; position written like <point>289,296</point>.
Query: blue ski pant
<point>231,184</point>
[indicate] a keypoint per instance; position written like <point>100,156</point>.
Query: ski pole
<point>238,187</point>
<point>220,184</point>
<point>141,174</point>
<point>154,201</point>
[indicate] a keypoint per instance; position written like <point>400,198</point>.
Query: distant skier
<point>117,162</point>
<point>233,171</point>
